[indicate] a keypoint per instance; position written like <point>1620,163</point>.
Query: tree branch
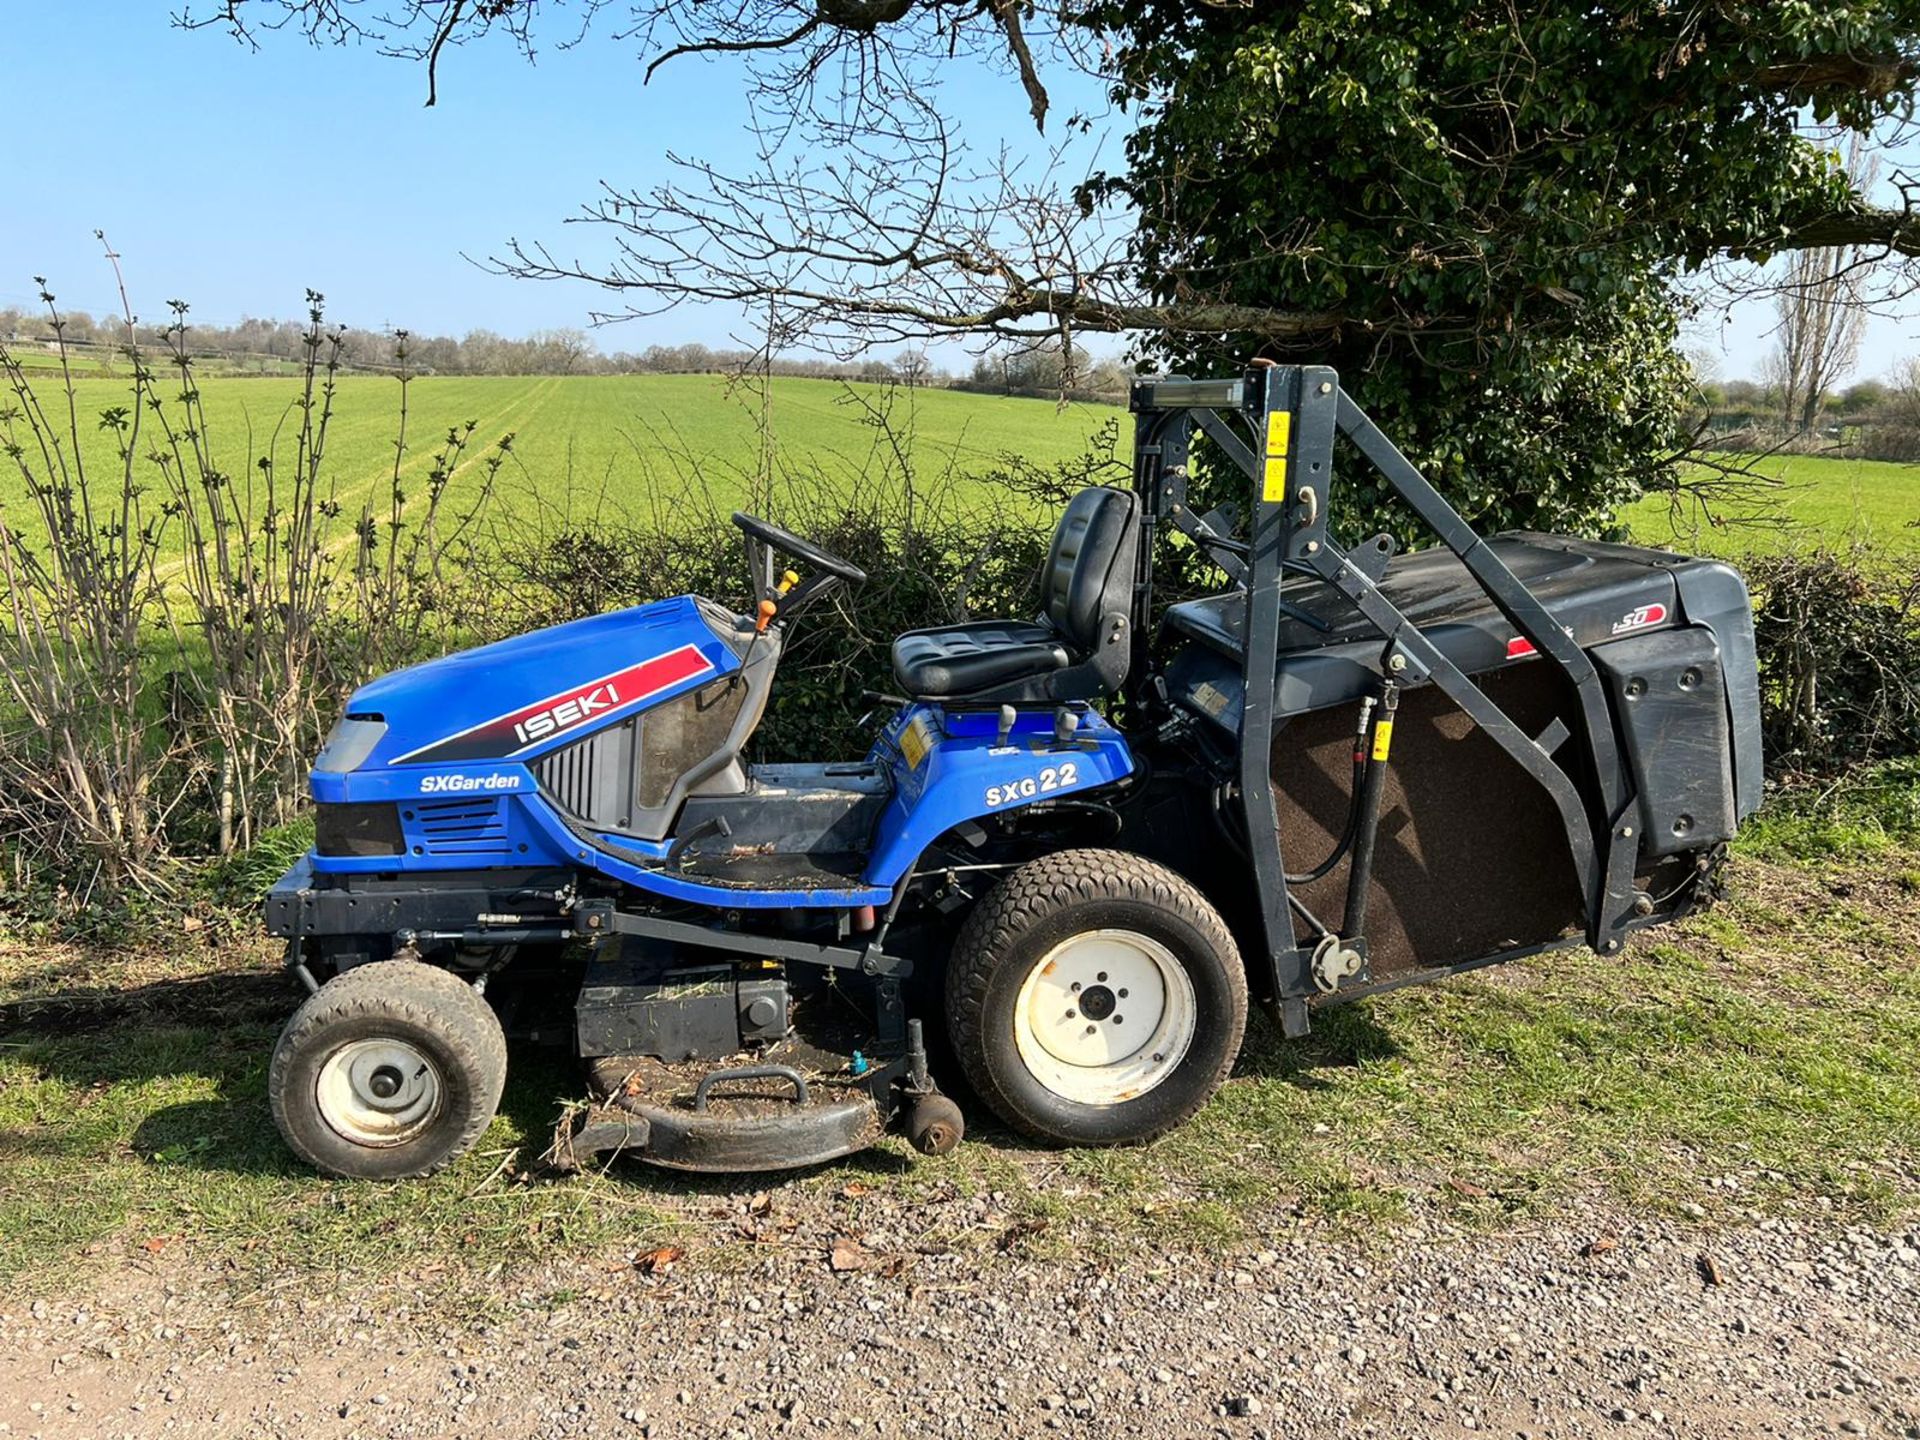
<point>731,47</point>
<point>1894,231</point>
<point>1007,12</point>
<point>443,34</point>
<point>1874,76</point>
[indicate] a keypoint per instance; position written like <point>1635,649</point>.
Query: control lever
<point>712,825</point>
<point>878,700</point>
<point>1065,722</point>
<point>1007,716</point>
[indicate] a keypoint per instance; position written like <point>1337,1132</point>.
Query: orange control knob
<point>767,611</point>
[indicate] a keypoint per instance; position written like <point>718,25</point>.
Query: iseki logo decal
<point>555,715</point>
<point>1640,619</point>
<point>570,711</point>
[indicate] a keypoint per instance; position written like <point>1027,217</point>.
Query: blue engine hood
<point>533,693</point>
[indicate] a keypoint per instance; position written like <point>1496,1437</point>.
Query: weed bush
<point>177,636</point>
<point>1839,643</point>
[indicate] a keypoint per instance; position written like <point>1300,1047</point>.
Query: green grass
<point>633,439</point>
<point>160,1126</point>
<point>618,436</point>
<point>1757,1059</point>
<point>46,363</point>
<point>1870,813</point>
<point>1819,501</point>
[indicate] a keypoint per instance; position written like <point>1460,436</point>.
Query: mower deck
<point>808,1097</point>
<point>783,1109</point>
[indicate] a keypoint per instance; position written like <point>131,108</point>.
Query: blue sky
<point>249,176</point>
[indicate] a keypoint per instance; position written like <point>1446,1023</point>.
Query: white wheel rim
<point>378,1093</point>
<point>1104,1017</point>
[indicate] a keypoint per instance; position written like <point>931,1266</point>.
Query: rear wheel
<point>391,1070</point>
<point>1095,998</point>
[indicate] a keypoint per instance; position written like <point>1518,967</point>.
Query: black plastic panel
<point>630,1005</point>
<point>372,829</point>
<point>1670,695</point>
<point>792,810</point>
<point>1714,595</point>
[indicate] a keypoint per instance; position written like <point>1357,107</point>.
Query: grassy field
<point>627,438</point>
<point>1756,1060</point>
<point>1815,500</point>
<point>637,441</point>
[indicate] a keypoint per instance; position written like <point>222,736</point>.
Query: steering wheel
<point>787,543</point>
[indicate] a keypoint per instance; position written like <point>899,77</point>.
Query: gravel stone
<point>1409,1330</point>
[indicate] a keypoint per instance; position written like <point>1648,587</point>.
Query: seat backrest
<point>1089,570</point>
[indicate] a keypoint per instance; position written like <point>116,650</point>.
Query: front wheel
<point>1095,998</point>
<point>391,1070</point>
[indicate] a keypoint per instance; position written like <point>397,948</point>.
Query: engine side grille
<point>463,827</point>
<point>574,779</point>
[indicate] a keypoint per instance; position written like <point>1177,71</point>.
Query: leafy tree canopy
<point>1491,203</point>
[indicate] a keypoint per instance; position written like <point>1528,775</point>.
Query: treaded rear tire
<point>422,1006</point>
<point>1046,903</point>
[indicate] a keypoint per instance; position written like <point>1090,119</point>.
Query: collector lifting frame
<point>1292,415</point>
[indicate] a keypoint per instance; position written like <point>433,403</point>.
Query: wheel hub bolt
<point>1096,1003</point>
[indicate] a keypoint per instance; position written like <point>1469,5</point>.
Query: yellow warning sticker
<point>1382,739</point>
<point>914,743</point>
<point>1275,485</point>
<point>1279,435</point>
<point>1279,432</point>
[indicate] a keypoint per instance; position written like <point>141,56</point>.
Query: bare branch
<point>896,239</point>
<point>733,47</point>
<point>440,38</point>
<point>1008,14</point>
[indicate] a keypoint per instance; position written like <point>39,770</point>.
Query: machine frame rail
<point>1292,416</point>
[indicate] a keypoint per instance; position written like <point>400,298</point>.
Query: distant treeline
<point>271,347</point>
<point>1873,420</point>
<point>1755,402</point>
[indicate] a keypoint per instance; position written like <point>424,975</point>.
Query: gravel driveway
<point>1611,1325</point>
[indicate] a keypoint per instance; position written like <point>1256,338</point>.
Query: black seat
<point>1075,649</point>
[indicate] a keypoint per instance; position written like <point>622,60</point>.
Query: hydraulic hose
<point>1361,768</point>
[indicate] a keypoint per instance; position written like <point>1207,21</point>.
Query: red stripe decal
<point>544,719</point>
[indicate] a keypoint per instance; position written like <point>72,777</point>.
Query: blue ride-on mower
<point>1079,841</point>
